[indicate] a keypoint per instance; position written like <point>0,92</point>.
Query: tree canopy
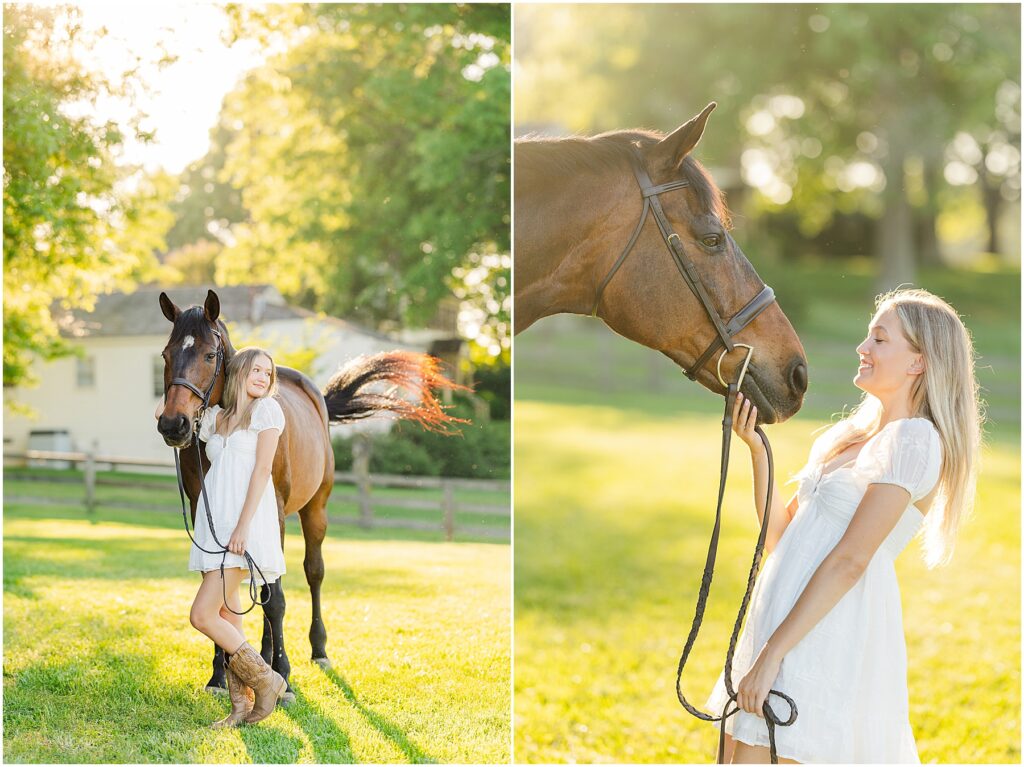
<point>371,156</point>
<point>824,110</point>
<point>72,228</point>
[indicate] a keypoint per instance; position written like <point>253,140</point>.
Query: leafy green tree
<point>194,264</point>
<point>69,231</point>
<point>373,156</point>
<point>827,110</point>
<point>206,205</point>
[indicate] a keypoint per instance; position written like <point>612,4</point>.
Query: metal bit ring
<point>743,370</point>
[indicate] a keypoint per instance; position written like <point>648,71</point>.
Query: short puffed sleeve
<point>906,452</point>
<point>208,425</point>
<point>267,415</point>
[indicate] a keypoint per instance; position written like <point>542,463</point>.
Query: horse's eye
<point>211,357</point>
<point>712,241</point>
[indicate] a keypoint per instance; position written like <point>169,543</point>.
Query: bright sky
<point>185,97</point>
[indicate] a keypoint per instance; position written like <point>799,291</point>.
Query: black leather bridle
<point>204,396</point>
<point>224,551</point>
<point>726,331</point>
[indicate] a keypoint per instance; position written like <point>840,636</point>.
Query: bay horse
<point>578,202</point>
<point>303,471</point>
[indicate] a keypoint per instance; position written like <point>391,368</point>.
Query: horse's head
<point>191,365</point>
<point>647,298</point>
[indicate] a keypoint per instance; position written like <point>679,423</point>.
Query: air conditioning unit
<point>55,440</point>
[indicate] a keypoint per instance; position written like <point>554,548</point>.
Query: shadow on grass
<point>117,559</point>
<point>386,728</point>
<point>77,708</point>
<point>73,510</point>
<point>268,745</point>
<point>330,744</point>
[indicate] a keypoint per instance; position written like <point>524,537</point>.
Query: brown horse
<point>577,203</point>
<point>303,472</point>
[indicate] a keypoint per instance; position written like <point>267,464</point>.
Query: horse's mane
<point>542,162</point>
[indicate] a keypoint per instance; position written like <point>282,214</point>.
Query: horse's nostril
<point>798,377</point>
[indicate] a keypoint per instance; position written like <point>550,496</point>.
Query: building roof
<point>138,313</point>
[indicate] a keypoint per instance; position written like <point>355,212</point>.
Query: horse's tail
<point>352,395</point>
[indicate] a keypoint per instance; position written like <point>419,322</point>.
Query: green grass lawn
<point>613,512</point>
<point>68,486</point>
<point>101,664</point>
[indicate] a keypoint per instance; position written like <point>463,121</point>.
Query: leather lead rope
<point>224,551</point>
<point>705,587</point>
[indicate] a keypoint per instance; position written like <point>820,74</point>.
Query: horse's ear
<point>167,306</point>
<point>671,150</point>
<point>212,306</point>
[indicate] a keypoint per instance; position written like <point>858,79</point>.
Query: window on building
<point>158,376</point>
<point>85,372</point>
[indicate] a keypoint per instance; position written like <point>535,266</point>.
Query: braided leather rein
<point>725,331</point>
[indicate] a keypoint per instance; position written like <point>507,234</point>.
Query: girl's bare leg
<point>206,609</point>
<point>235,603</point>
<point>744,753</point>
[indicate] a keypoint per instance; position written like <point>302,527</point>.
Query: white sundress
<point>232,460</point>
<point>848,675</point>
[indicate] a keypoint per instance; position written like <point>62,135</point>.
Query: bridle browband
<point>725,330</point>
<point>204,396</point>
<point>724,340</point>
<point>224,551</point>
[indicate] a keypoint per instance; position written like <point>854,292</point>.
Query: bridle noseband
<point>724,341</point>
<point>725,330</point>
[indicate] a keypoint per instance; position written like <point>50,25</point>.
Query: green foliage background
<point>72,229</point>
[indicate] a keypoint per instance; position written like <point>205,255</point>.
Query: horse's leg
<point>314,525</point>
<point>267,642</point>
<point>274,612</point>
<point>217,683</point>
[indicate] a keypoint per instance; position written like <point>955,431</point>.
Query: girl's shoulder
<point>267,413</point>
<point>906,431</point>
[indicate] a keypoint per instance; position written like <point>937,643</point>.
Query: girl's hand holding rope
<point>238,538</point>
<point>744,419</point>
<point>753,689</point>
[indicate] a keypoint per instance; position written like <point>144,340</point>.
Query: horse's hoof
<point>287,699</point>
<point>323,663</point>
<point>216,690</point>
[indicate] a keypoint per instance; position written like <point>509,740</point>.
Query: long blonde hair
<point>947,395</point>
<point>234,387</point>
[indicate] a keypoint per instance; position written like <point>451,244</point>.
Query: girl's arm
<point>744,420</point>
<point>780,516</point>
<point>876,516</point>
<point>266,447</point>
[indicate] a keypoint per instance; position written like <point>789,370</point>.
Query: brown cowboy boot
<point>242,698</point>
<point>266,683</point>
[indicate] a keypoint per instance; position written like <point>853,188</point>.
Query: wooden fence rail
<point>366,496</point>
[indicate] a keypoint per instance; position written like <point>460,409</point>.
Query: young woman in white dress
<point>825,623</point>
<point>241,439</point>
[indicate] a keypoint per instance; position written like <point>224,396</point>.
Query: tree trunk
<point>895,243</point>
<point>927,220</point>
<point>993,202</point>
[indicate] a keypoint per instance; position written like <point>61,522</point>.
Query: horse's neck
<point>558,244</point>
